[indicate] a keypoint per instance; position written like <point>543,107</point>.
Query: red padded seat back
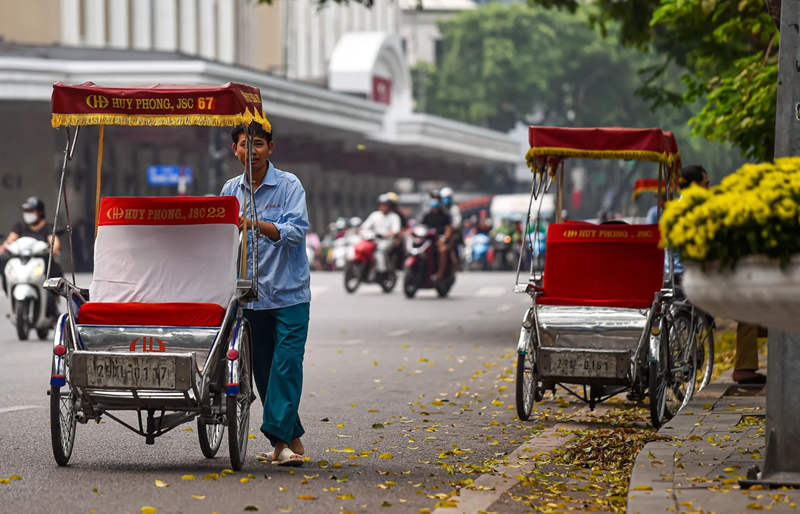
<point>602,265</point>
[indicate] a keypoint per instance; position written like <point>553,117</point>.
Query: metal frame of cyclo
<point>254,233</point>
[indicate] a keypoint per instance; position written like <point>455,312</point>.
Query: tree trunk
<point>774,10</point>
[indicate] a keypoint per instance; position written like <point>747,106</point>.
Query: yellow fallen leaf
<point>5,481</point>
<point>643,488</point>
<point>283,488</point>
<point>211,476</point>
<point>199,497</point>
<point>95,490</point>
<point>340,425</point>
<point>497,403</point>
<point>386,504</point>
<point>251,436</point>
<point>244,480</point>
<point>306,497</point>
<point>373,410</point>
<point>353,405</point>
<point>755,506</point>
<point>188,477</point>
<point>311,477</point>
<point>449,504</point>
<point>286,510</point>
<point>502,388</point>
<point>386,455</point>
<point>424,511</point>
<point>188,429</point>
<point>226,472</point>
<point>15,477</point>
<point>148,510</point>
<point>251,508</point>
<point>160,483</point>
<point>347,496</point>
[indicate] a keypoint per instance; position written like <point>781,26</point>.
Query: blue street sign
<point>167,175</point>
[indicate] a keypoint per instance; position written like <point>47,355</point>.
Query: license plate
<point>139,372</point>
<point>583,365</point>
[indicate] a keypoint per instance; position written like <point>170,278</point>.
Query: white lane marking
<point>20,407</point>
<point>442,324</point>
<point>318,290</point>
<point>491,291</point>
<point>398,333</point>
<point>505,308</point>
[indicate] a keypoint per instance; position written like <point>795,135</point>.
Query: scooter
<point>360,267</point>
<point>422,264</point>
<point>479,251</point>
<point>504,253</point>
<point>31,305</point>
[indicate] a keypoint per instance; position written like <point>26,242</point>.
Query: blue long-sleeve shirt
<point>284,277</point>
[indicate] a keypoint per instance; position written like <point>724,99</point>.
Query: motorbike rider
<point>386,224</point>
<point>34,225</point>
<point>452,208</point>
<point>397,255</point>
<point>438,219</point>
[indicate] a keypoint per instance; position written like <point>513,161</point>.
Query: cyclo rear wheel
<point>238,405</point>
<point>528,389</point>
<point>62,416</point>
<point>657,375</point>
<point>705,349</point>
<point>683,361</point>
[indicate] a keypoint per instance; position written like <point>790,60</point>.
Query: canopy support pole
<point>560,193</point>
<point>69,150</point>
<point>99,174</point>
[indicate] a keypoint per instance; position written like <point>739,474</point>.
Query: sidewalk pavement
<point>717,437</point>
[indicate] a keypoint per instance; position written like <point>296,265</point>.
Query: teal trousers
<point>279,343</point>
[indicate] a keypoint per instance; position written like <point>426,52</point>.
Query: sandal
<point>288,458</point>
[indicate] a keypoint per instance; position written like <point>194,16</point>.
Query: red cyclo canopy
<point>157,105</point>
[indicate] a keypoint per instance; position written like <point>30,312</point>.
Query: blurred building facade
<point>335,84</point>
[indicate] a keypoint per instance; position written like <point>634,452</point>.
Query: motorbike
<point>342,247</point>
<point>422,263</point>
<point>504,253</point>
<point>479,251</point>
<point>31,305</point>
<point>360,267</point>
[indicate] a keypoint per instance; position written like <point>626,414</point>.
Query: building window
<point>439,52</point>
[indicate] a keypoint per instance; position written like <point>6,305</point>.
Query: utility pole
<point>782,457</point>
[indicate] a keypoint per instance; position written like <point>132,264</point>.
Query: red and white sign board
<point>381,90</point>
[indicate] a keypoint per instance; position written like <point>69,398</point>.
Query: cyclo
<point>606,316</point>
<point>160,331</point>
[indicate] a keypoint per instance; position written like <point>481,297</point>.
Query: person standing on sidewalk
<point>279,319</point>
<point>746,364</point>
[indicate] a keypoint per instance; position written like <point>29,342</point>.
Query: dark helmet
<point>34,203</point>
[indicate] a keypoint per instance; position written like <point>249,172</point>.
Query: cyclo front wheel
<point>238,405</point>
<point>705,349</point>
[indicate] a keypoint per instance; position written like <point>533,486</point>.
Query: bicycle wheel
<point>658,378</point>
<point>238,405</point>
<point>210,437</point>
<point>705,349</point>
<point>529,389</point>
<point>682,359</point>
<point>63,407</point>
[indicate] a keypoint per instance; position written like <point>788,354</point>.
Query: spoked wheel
<point>705,350</point>
<point>352,276</point>
<point>210,437</point>
<point>22,320</point>
<point>682,373</point>
<point>238,406</point>
<point>62,420</point>
<point>657,390</point>
<point>529,389</point>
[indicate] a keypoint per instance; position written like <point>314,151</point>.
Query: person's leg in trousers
<point>746,364</point>
<point>262,330</point>
<point>281,420</point>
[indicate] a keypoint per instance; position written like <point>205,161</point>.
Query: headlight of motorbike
<point>37,271</point>
<point>508,239</point>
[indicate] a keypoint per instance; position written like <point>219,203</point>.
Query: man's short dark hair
<point>257,129</point>
<point>693,175</point>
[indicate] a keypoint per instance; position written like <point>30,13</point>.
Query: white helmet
<point>341,223</point>
<point>446,192</point>
<point>355,221</point>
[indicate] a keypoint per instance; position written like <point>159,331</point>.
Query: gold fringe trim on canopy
<point>156,120</point>
<point>628,155</point>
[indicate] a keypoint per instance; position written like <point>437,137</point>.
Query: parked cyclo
<point>607,317</point>
<point>160,331</point>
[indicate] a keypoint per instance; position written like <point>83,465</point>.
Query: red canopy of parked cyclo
<point>646,185</point>
<point>652,145</point>
<point>157,105</point>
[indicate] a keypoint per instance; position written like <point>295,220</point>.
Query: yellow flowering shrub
<point>753,211</point>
